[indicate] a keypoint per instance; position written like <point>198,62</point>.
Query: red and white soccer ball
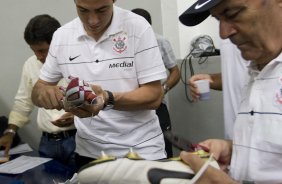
<point>78,92</point>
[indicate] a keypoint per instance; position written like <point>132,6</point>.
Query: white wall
<point>152,6</point>
<point>170,21</point>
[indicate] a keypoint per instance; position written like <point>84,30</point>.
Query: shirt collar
<point>116,25</point>
<point>253,65</point>
<point>253,71</point>
<point>80,29</point>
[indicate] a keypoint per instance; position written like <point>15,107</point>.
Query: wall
<point>194,121</point>
<point>152,6</point>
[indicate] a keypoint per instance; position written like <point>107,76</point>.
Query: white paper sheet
<point>22,164</point>
<point>22,148</point>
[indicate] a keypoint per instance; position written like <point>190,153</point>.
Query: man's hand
<point>65,120</point>
<point>89,110</point>
<point>221,149</point>
<point>47,95</point>
<point>215,83</point>
<point>193,87</point>
<point>211,175</point>
<point>6,141</point>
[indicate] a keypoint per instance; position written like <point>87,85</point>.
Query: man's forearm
<point>217,81</point>
<point>148,96</point>
<point>47,95</point>
<point>35,93</point>
<point>173,77</point>
<point>218,176</point>
<point>12,126</point>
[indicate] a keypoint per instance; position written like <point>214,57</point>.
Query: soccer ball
<point>78,92</point>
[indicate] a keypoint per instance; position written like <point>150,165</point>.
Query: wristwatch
<point>111,101</point>
<point>248,182</point>
<point>166,88</point>
<point>9,130</point>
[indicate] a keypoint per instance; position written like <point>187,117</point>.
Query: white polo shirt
<point>167,53</point>
<point>257,142</point>
<point>234,77</point>
<point>126,56</point>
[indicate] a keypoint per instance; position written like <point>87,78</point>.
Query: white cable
<point>202,170</point>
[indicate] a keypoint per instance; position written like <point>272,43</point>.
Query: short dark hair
<point>40,29</point>
<point>143,13</point>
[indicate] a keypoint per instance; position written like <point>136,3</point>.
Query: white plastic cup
<point>204,89</point>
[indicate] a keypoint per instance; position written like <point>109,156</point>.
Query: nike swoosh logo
<point>201,5</point>
<point>72,58</point>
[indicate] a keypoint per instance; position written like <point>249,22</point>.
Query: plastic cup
<point>204,89</point>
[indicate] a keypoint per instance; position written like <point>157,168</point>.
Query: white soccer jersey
<point>126,56</point>
<point>234,77</point>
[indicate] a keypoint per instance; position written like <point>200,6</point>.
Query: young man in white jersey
<point>116,52</point>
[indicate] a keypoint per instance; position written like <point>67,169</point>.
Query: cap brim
<point>193,16</point>
<point>193,19</point>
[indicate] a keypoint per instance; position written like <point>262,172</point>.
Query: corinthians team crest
<point>120,42</point>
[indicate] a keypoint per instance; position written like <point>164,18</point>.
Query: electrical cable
<point>184,81</point>
<point>202,47</point>
<point>204,60</point>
